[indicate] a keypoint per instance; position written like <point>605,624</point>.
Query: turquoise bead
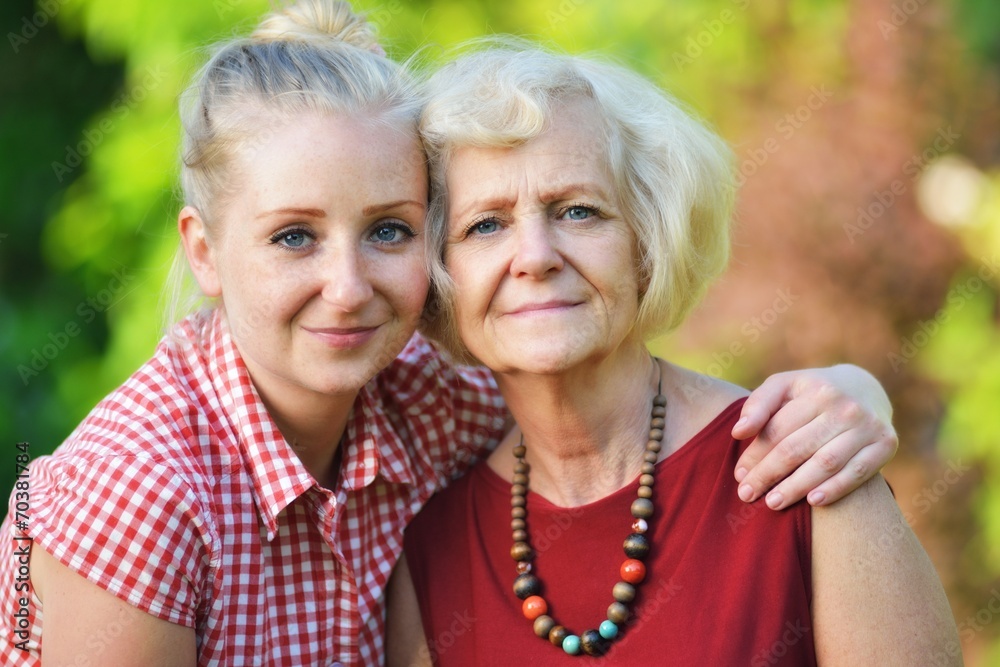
<point>608,630</point>
<point>571,644</point>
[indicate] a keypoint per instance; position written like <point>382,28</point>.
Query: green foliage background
<point>89,135</point>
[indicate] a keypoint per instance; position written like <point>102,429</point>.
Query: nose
<point>346,284</point>
<point>535,253</point>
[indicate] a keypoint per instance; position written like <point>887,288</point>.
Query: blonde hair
<point>314,55</point>
<point>674,177</point>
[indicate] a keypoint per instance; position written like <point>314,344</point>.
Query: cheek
<point>470,290</point>
<point>406,283</point>
<point>259,294</point>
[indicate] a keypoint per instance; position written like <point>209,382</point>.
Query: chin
<point>342,378</point>
<point>548,361</point>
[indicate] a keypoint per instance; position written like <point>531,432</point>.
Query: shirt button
<point>337,664</point>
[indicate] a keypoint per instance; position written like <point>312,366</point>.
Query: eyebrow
<point>585,188</point>
<point>381,208</point>
<point>486,204</point>
<point>307,212</point>
<point>568,191</point>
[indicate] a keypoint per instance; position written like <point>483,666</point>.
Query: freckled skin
<point>349,256</point>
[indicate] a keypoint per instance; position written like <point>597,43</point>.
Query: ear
<point>199,251</point>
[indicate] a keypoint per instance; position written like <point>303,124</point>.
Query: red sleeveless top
<point>727,583</point>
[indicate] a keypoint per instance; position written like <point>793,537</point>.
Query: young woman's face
<point>320,252</point>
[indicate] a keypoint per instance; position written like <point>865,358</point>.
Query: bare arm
<point>821,432</point>
<point>877,599</point>
<point>85,624</point>
<point>405,643</point>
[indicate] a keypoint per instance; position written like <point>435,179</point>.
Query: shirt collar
<point>277,476</point>
<point>373,444</point>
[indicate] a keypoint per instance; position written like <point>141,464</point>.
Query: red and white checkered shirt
<point>179,495</point>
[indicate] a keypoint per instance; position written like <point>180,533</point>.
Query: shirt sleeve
<point>127,523</point>
<point>455,412</point>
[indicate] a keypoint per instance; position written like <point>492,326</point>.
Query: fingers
<point>841,463</point>
<point>858,470</point>
<point>762,402</point>
<point>830,431</point>
<point>787,419</point>
<point>782,448</point>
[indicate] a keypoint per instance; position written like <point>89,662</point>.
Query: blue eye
<point>293,239</point>
<point>386,234</point>
<point>484,227</point>
<point>579,212</point>
<point>391,233</point>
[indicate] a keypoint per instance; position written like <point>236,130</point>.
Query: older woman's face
<point>543,263</point>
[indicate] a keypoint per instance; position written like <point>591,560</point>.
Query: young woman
<point>241,498</point>
<point>579,211</point>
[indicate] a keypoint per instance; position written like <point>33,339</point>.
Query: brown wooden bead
<point>544,625</point>
<point>659,412</point>
<point>521,468</point>
<point>519,451</point>
<point>617,613</point>
<point>521,478</point>
<point>654,446</point>
<point>636,545</point>
<point>520,535</point>
<point>659,401</point>
<point>593,643</point>
<point>648,468</point>
<point>623,592</point>
<point>518,513</point>
<point>657,422</point>
<point>656,434</point>
<point>557,634</point>
<point>517,501</point>
<point>645,492</point>
<point>521,551</point>
<point>527,585</point>
<point>642,508</point>
<point>650,457</point>
<point>518,489</point>
<point>646,480</point>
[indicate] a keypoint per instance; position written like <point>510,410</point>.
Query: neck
<point>585,430</point>
<point>314,432</point>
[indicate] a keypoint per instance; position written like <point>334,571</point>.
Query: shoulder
<point>138,461</point>
<point>127,523</point>
<point>158,411</point>
<point>695,400</point>
<point>421,371</point>
<point>452,414</point>
<point>445,514</point>
<point>79,497</point>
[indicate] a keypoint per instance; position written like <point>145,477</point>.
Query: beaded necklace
<point>528,587</point>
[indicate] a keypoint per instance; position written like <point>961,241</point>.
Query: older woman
<point>580,211</point>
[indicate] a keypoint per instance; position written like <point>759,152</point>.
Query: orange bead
<point>533,607</point>
<point>633,571</point>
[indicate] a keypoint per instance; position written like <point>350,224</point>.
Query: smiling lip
<point>543,308</point>
<point>343,338</point>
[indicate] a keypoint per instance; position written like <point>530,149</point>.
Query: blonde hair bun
<point>307,20</point>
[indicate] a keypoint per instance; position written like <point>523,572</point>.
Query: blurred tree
<point>51,88</point>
